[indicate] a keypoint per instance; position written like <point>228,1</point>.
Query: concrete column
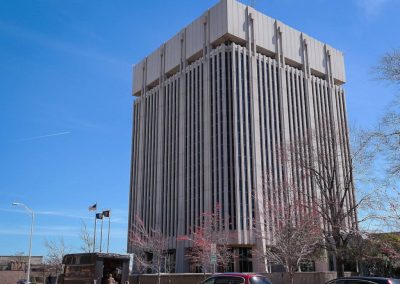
<point>180,264</point>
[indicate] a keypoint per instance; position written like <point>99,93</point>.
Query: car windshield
<point>259,280</point>
<point>378,280</point>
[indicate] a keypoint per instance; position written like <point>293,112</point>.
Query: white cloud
<point>42,231</point>
<point>371,8</point>
<point>117,216</point>
<point>56,44</point>
<point>70,214</point>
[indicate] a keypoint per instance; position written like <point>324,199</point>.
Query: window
<point>228,280</point>
<point>209,281</point>
<point>259,280</point>
<point>79,271</point>
<point>245,261</point>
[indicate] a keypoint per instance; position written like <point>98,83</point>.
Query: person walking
<point>49,279</point>
<point>110,280</point>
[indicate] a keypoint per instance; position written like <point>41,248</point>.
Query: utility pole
<point>30,211</point>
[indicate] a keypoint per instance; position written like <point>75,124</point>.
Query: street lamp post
<point>30,238</point>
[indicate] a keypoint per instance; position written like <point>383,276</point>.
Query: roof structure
<point>227,20</point>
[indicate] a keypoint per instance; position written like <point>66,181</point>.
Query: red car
<point>237,278</point>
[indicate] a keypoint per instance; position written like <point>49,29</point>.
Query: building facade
<point>213,104</point>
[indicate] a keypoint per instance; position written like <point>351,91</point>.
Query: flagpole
<point>94,234</point>
<point>109,226</point>
<point>101,232</point>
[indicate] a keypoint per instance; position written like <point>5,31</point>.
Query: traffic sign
<point>213,249</point>
<point>213,253</point>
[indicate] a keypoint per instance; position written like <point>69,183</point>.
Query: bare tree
<point>388,68</point>
<point>328,166</point>
<point>56,249</point>
<point>150,248</point>
<point>387,136</point>
<point>293,235</point>
<point>87,240</point>
<point>388,130</point>
<point>370,190</point>
<point>211,231</point>
<point>393,210</point>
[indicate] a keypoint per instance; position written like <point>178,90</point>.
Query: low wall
<point>197,278</point>
<point>173,278</point>
<point>302,277</point>
<point>11,277</point>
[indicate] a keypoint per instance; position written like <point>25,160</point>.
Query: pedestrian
<point>49,279</point>
<point>110,279</point>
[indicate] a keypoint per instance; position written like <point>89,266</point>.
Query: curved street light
<point>30,238</point>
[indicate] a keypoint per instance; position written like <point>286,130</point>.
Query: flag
<point>107,213</point>
<point>99,215</point>
<point>93,207</point>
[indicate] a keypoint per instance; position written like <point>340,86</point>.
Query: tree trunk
<point>339,266</point>
<point>291,275</point>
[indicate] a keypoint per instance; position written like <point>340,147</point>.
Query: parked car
<point>237,278</point>
<point>364,280</point>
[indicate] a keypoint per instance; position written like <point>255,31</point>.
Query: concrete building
<point>212,106</point>
<point>13,268</point>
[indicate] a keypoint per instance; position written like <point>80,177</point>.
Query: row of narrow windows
<point>230,149</point>
<point>194,148</point>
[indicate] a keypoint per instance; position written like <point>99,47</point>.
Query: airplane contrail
<point>49,213</point>
<point>65,214</point>
<point>44,136</point>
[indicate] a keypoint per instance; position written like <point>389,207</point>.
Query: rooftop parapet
<point>231,20</point>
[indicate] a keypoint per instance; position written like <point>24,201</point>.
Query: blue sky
<point>66,108</point>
